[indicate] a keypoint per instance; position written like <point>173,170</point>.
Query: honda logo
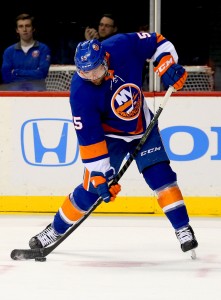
<point>49,142</point>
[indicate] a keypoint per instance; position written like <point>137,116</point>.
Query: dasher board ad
<point>39,152</point>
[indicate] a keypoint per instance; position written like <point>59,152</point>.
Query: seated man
<point>25,64</point>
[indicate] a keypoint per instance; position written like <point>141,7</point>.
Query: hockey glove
<point>171,73</point>
<point>99,181</point>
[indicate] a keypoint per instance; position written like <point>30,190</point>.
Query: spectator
<point>143,28</point>
<point>26,63</point>
<point>106,28</point>
<point>65,50</point>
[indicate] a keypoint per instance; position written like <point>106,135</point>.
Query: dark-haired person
<point>106,28</point>
<point>26,63</point>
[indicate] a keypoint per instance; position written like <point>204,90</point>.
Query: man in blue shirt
<point>26,63</point>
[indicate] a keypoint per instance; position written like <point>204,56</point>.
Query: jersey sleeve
<point>89,130</point>
<point>145,45</point>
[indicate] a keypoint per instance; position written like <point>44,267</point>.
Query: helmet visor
<point>93,74</point>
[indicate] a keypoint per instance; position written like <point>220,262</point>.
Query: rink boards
<point>40,163</point>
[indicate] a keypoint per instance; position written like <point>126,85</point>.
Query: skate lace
<point>48,236</point>
<point>184,235</point>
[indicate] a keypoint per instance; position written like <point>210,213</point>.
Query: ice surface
<point>112,258</point>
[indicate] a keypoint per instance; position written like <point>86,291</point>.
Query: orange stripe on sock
<point>71,212</point>
<point>169,196</point>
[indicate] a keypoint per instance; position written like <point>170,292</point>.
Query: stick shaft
<point>127,163</point>
<point>124,167</point>
<point>145,135</point>
<point>32,253</point>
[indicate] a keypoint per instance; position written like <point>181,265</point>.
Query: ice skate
<point>187,239</point>
<point>45,238</point>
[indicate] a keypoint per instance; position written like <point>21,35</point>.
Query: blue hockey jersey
<point>117,107</point>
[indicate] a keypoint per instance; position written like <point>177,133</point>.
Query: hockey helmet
<point>89,56</point>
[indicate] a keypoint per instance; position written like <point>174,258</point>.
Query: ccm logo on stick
<point>150,151</point>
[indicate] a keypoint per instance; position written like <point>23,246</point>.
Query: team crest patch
<point>35,53</point>
<point>126,102</point>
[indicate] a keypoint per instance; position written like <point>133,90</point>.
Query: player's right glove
<point>172,74</point>
<point>99,181</point>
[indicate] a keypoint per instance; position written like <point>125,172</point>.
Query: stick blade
<point>25,254</point>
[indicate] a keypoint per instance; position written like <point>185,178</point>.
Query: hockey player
<point>110,115</point>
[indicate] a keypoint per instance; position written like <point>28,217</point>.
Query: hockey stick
<point>24,254</point>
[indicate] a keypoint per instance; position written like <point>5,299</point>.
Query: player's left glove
<point>99,181</point>
<point>172,74</point>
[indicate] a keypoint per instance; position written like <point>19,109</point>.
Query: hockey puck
<point>40,258</point>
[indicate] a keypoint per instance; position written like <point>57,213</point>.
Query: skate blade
<point>193,254</point>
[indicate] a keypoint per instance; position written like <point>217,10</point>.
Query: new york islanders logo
<point>126,102</point>
<point>35,53</point>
